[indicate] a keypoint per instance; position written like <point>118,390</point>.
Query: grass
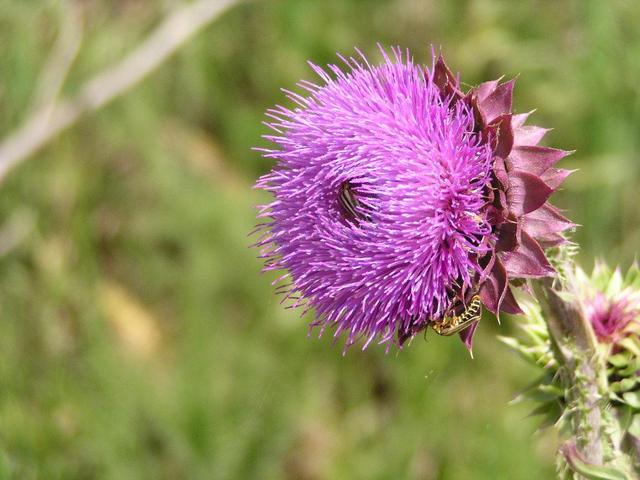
<point>137,338</point>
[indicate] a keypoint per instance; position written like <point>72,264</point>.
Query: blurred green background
<point>137,337</point>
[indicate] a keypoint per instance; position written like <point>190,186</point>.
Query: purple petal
<point>532,159</point>
<point>520,118</point>
<point>544,221</point>
<point>509,304</point>
<point>528,260</point>
<point>493,290</point>
<point>467,335</point>
<point>508,237</point>
<point>483,90</point>
<point>444,79</point>
<point>526,193</point>
<point>551,240</point>
<point>498,102</point>
<point>501,135</point>
<point>529,135</point>
<point>554,177</point>
<point>500,172</point>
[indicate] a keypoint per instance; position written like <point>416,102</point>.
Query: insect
<point>452,324</point>
<point>350,204</point>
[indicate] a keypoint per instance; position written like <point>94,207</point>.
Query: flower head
<point>399,198</point>
<point>611,303</point>
<point>611,317</point>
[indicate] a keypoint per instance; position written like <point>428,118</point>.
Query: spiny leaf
<point>623,385</point>
<point>634,427</point>
<point>597,472</point>
<point>630,370</point>
<point>525,352</point>
<point>600,276</point>
<point>510,342</point>
<point>616,283</point>
<point>632,399</point>
<point>588,470</point>
<point>631,344</point>
<point>625,417</point>
<point>619,360</point>
<point>554,390</point>
<point>632,278</point>
<point>545,409</point>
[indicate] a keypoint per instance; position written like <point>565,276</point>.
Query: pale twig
<point>47,122</point>
<point>61,58</point>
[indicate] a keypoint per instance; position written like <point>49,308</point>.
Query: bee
<point>350,204</point>
<point>452,324</point>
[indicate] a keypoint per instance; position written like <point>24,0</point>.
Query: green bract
<point>610,302</point>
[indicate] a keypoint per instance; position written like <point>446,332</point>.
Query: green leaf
<point>619,360</point>
<point>590,470</point>
<point>545,409</point>
<point>623,385</point>
<point>616,387</point>
<point>632,399</point>
<point>625,417</point>
<point>633,276</point>
<point>600,276</point>
<point>551,418</point>
<point>553,390</point>
<point>537,335</point>
<point>614,396</point>
<point>524,351</point>
<point>538,395</point>
<point>568,297</point>
<point>628,383</point>
<point>631,344</point>
<point>510,342</point>
<point>615,284</point>
<point>630,370</point>
<point>597,472</point>
<point>634,427</point>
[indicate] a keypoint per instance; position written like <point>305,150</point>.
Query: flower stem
<point>583,373</point>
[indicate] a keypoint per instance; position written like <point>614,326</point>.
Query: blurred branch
<point>49,120</point>
<point>61,59</point>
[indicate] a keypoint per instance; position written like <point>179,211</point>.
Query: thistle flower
<point>611,302</point>
<point>399,198</point>
<point>612,318</point>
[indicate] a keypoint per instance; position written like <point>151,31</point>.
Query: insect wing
<point>452,325</point>
<point>448,330</point>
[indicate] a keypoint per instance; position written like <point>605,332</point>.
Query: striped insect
<point>452,324</point>
<point>350,205</point>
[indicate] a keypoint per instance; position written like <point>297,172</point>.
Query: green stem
<point>583,373</point>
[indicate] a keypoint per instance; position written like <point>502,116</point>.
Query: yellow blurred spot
<point>134,325</point>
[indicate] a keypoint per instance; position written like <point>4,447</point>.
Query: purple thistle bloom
<point>398,198</point>
<point>612,317</point>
